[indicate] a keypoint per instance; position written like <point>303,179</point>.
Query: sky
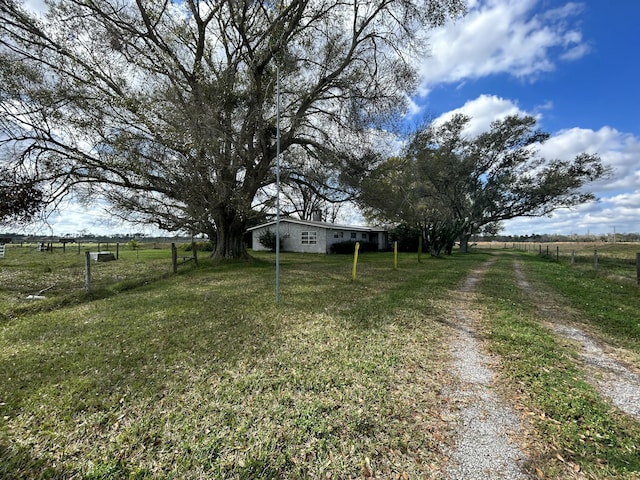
<point>573,65</point>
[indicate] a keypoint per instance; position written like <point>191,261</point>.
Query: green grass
<point>570,420</point>
<point>200,375</point>
<point>60,276</point>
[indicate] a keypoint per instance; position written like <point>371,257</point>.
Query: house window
<point>354,235</point>
<point>364,236</point>
<point>338,234</point>
<point>309,238</point>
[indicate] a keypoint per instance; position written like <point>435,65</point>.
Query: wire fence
<point>617,260</point>
<point>57,272</point>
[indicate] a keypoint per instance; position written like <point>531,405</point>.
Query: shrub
<point>205,246</point>
<point>268,240</point>
<point>349,246</point>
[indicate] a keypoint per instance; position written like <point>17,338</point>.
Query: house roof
<point>327,226</point>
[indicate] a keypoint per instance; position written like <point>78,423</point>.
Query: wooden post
<point>117,250</point>
<point>64,247</point>
<point>78,248</point>
<point>573,257</point>
<point>595,259</point>
<point>87,272</point>
<point>638,267</point>
<point>395,255</point>
<point>194,252</point>
<point>547,251</point>
<point>174,257</point>
<point>557,253</point>
<point>540,248</point>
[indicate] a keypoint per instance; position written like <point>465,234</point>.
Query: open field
<point>201,375</point>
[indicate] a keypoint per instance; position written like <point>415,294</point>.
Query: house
<point>317,237</point>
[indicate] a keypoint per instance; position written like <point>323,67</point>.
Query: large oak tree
<point>450,184</point>
<point>168,108</point>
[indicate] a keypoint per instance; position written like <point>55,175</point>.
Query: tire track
<point>610,377</point>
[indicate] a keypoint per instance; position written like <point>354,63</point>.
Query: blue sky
<point>573,65</point>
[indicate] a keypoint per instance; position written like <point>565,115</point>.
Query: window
<point>364,236</point>
<point>338,234</point>
<point>309,238</point>
<point>354,235</point>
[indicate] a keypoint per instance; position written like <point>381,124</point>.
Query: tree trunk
<point>464,242</point>
<point>229,233</point>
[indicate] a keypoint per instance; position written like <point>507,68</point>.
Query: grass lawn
<point>200,375</point>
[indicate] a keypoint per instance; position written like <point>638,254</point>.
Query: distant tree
<point>167,109</point>
<point>454,186</point>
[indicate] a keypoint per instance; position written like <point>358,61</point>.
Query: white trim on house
<point>317,237</point>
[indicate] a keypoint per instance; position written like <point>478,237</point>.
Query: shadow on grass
<point>18,462</point>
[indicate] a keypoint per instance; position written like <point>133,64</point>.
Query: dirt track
<point>486,444</point>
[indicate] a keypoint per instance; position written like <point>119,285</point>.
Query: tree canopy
<point>452,185</point>
<point>167,109</point>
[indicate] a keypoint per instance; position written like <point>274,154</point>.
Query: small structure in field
<point>317,237</point>
<point>102,256</point>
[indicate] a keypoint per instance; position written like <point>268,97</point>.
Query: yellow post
<point>395,255</point>
<point>355,261</point>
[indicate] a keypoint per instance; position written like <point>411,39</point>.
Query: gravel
<point>484,448</point>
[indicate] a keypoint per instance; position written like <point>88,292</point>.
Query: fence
<point>616,259</point>
<point>30,274</point>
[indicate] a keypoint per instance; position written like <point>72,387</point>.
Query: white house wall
<point>291,237</point>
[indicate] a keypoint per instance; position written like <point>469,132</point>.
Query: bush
<point>206,246</point>
<point>407,236</point>
<point>268,240</point>
<point>348,247</point>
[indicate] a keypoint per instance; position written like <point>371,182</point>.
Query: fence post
<point>174,257</point>
<point>355,261</point>
<point>194,252</point>
<point>638,267</point>
<point>117,250</point>
<point>395,255</point>
<point>87,272</point>
<point>573,257</point>
<point>547,251</point>
<point>557,253</point>
<point>595,259</point>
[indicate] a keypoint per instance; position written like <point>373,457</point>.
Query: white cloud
<point>483,110</point>
<point>618,150</point>
<point>502,36</point>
